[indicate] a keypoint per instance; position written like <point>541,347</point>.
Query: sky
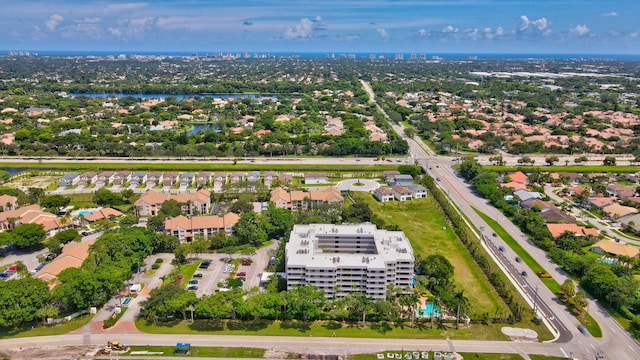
<point>349,26</point>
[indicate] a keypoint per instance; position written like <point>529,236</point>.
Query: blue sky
<point>431,27</point>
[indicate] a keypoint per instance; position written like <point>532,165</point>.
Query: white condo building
<point>340,259</point>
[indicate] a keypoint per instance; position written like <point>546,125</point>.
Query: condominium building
<point>340,259</point>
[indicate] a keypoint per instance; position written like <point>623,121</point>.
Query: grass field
<point>59,329</point>
<point>201,351</point>
<point>473,356</point>
<point>571,168</point>
<point>200,166</point>
<point>424,224</point>
<point>420,330</point>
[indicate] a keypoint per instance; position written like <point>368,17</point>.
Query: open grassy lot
<point>571,168</point>
<point>196,165</point>
<point>424,224</point>
<point>201,351</point>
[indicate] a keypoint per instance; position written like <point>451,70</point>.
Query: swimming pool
<point>127,301</point>
<point>83,212</point>
<point>429,310</point>
<point>608,261</point>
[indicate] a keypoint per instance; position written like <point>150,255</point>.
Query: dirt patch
<point>51,352</point>
<point>519,334</point>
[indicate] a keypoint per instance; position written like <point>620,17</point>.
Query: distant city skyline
<point>345,26</point>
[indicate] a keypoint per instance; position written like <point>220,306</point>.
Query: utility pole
<point>535,300</point>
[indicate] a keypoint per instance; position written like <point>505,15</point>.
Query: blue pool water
<point>608,261</point>
<point>429,310</point>
<point>127,301</point>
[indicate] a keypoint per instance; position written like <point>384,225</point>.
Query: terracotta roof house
<point>269,177</point>
<point>31,214</point>
<point>600,202</point>
<point>8,202</point>
<point>236,177</point>
<point>615,211</point>
<point>185,228</point>
<point>219,179</point>
<point>154,178</point>
<point>73,254</point>
<point>88,178</point>
<point>285,178</point>
<point>519,177</point>
<point>105,177</point>
<point>559,229</point>
<point>203,178</point>
<point>170,178</point>
<point>514,185</point>
<point>150,202</point>
<point>297,199</point>
<point>103,213</point>
<point>383,194</point>
<point>121,177</point>
<point>608,247</point>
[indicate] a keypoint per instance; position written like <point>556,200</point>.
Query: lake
<point>177,96</point>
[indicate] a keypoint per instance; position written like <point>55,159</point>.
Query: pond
<point>202,128</point>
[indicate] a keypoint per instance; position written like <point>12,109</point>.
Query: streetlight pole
<point>535,300</point>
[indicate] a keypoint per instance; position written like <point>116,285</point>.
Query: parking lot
<point>215,273</point>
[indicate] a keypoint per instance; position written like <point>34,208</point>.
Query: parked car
<point>193,282</point>
<point>198,275</point>
<point>205,264</point>
<point>240,274</point>
<point>192,287</point>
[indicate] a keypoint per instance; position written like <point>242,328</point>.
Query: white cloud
<point>317,19</point>
<point>539,24</point>
<point>473,34</point>
<point>634,35</point>
<point>93,20</point>
<point>612,13</point>
<point>383,33</point>
<point>53,22</point>
<point>302,30</point>
<point>133,28</point>
<point>579,30</point>
<point>490,34</point>
<point>450,29</point>
<point>422,32</point>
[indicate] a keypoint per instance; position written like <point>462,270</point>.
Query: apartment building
<point>340,259</point>
<point>185,228</point>
<point>150,202</point>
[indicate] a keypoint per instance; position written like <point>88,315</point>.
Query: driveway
<point>367,185</point>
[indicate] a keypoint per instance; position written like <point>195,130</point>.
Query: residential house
<point>615,211</point>
<point>151,202</point>
<point>519,177</point>
<point>631,220</point>
<point>297,199</point>
<point>154,178</point>
<point>101,214</point>
<point>314,179</point>
<point>401,180</point>
<point>105,177</point>
<point>187,179</point>
<point>558,229</point>
<point>72,256</point>
<point>612,248</point>
<point>69,179</point>
<point>622,192</point>
<point>269,178</point>
<point>121,177</point>
<point>219,179</point>
<point>8,202</point>
<point>549,212</point>
<point>236,177</point>
<point>514,186</point>
<point>417,191</point>
<point>383,194</point>
<point>170,178</point>
<point>253,176</point>
<point>33,214</point>
<point>389,174</point>
<point>525,195</point>
<point>185,228</point>
<point>203,178</point>
<point>285,178</point>
<point>600,202</point>
<point>88,178</point>
<point>138,178</point>
<point>402,193</point>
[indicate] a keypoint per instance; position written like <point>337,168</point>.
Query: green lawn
<point>82,199</point>
<point>571,168</point>
<point>42,330</point>
<point>424,224</point>
<point>201,351</point>
<point>420,330</point>
<point>196,165</point>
